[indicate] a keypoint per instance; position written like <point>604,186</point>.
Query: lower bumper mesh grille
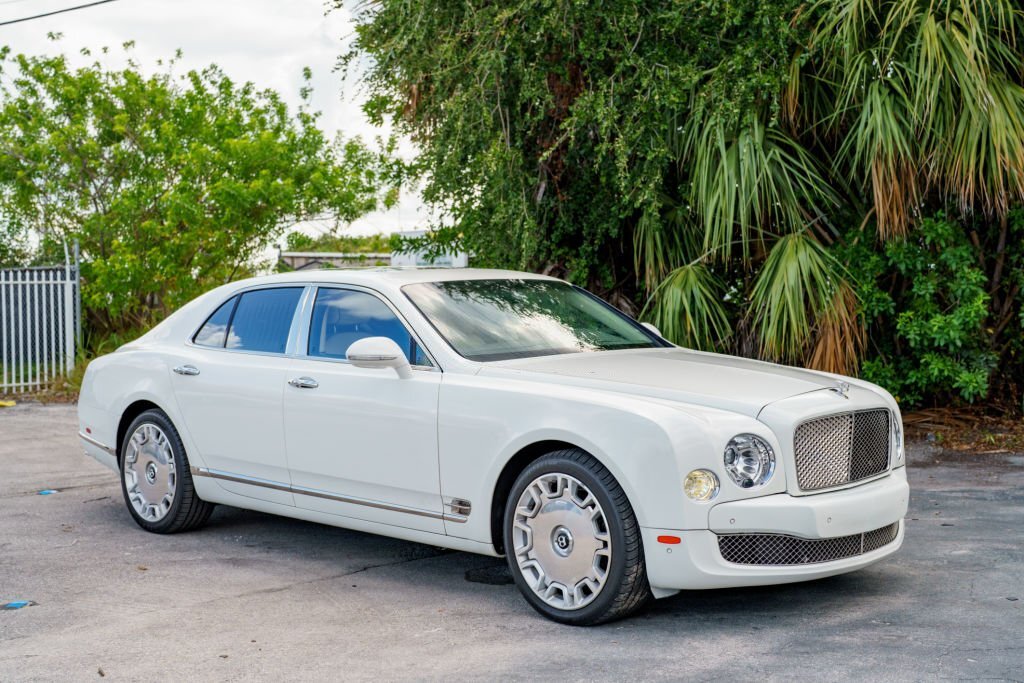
<point>780,549</point>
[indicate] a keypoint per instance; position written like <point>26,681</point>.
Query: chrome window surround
<point>298,332</point>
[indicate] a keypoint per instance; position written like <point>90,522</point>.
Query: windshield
<point>487,320</point>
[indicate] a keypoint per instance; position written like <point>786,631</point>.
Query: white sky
<point>267,42</point>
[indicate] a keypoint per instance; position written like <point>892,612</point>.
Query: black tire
<point>186,511</point>
<point>626,589</point>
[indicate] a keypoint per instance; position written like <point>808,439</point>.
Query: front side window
<point>343,316</point>
<point>487,320</point>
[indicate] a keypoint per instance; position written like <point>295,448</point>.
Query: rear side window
<point>214,331</point>
<point>262,320</point>
<point>254,321</point>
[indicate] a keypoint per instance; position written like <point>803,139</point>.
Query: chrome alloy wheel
<point>149,472</point>
<point>561,541</point>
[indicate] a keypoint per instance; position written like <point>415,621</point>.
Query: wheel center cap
<point>561,541</point>
<point>151,472</point>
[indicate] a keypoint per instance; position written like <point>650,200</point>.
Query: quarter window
<point>215,330</point>
<point>342,317</point>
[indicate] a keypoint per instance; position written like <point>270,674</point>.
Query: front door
<point>229,385</point>
<point>362,442</point>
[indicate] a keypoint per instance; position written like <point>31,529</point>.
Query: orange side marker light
<point>670,540</point>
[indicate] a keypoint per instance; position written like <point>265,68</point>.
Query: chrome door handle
<point>189,370</point>
<point>304,383</point>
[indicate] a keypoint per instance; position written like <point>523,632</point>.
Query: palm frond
<point>687,307</point>
<point>751,184</point>
<point>840,337</point>
<point>795,286</point>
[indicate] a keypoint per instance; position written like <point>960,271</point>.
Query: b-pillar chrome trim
<point>103,447</point>
<point>456,515</point>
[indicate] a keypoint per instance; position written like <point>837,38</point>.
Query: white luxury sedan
<point>500,413</point>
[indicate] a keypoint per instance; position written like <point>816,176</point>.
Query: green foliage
<point>927,301</point>
<point>332,242</point>
<point>694,290</point>
<point>172,183</point>
<point>702,160</point>
<point>792,287</point>
<point>546,128</point>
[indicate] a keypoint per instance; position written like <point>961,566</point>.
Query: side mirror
<point>652,328</point>
<point>379,352</point>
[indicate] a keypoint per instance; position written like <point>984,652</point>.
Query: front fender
<point>649,445</point>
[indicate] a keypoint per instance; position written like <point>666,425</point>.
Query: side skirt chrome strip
<point>317,493</point>
<point>88,439</point>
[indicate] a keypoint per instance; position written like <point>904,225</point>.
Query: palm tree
<point>893,109</point>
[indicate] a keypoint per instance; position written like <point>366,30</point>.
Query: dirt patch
<point>966,430</point>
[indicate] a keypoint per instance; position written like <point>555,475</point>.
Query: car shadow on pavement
<point>311,545</point>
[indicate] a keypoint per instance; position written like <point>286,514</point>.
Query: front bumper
<point>696,561</point>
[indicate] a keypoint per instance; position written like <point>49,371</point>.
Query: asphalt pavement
<point>253,596</point>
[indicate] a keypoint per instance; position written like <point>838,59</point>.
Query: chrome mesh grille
<point>838,449</point>
<point>780,549</point>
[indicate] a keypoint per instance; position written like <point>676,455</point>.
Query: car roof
<point>396,277</point>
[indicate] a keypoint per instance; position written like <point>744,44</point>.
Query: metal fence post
<point>79,313</point>
<point>69,312</point>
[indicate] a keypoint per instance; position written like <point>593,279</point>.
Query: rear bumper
<point>696,562</point>
<point>98,451</point>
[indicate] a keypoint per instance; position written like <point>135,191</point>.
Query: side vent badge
<point>459,509</point>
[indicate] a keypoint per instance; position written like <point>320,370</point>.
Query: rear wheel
<point>573,542</point>
<point>155,477</point>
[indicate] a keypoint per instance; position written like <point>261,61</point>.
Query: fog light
<point>701,485</point>
<point>749,460</point>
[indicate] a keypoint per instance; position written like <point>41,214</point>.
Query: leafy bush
<point>926,301</point>
<point>171,183</point>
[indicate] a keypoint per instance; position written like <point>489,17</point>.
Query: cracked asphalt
<point>253,596</point>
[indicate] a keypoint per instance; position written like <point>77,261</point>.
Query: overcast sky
<point>267,42</point>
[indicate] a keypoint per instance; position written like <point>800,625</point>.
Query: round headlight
<point>701,485</point>
<point>749,460</point>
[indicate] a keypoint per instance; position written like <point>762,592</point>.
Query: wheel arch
<point>513,467</point>
<point>132,411</point>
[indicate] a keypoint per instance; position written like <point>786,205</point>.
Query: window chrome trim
<point>303,342</point>
<point>298,318</point>
<point>289,342</point>
<point>297,345</point>
<point>454,516</point>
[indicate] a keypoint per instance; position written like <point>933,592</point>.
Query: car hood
<point>740,385</point>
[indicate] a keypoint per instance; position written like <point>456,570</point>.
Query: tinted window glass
<point>214,330</point>
<point>341,317</point>
<point>499,319</point>
<point>262,320</point>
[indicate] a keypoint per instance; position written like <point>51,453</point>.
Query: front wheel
<point>573,542</point>
<point>155,477</point>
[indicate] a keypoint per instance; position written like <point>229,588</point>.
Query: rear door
<point>229,384</point>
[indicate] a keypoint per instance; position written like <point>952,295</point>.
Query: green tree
<point>706,161</point>
<point>172,183</point>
